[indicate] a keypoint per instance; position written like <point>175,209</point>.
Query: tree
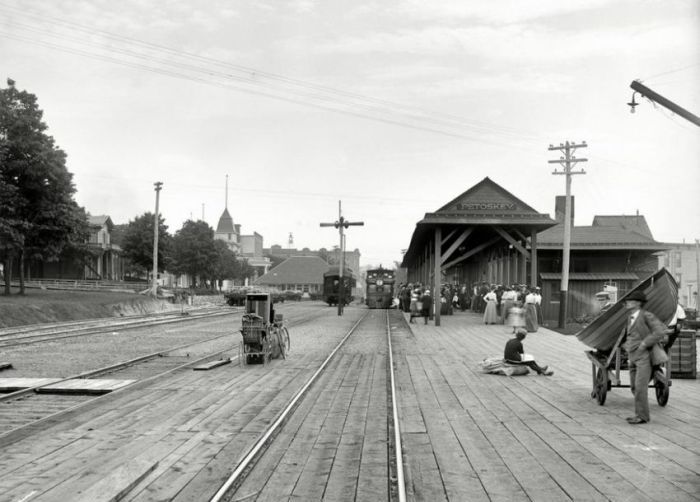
<point>193,251</point>
<point>226,265</point>
<point>38,216</point>
<point>137,243</point>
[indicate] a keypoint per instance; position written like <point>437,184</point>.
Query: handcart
<point>265,335</point>
<point>606,335</point>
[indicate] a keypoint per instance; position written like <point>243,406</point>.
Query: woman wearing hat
<point>427,305</point>
<point>643,331</point>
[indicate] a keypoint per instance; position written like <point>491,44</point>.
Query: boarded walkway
<point>471,436</point>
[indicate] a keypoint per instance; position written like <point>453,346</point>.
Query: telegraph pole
<point>341,224</point>
<point>158,185</point>
<point>567,161</point>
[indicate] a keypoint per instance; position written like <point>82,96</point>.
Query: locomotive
<point>331,286</point>
<point>380,288</point>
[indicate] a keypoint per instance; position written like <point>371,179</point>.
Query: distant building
<point>103,263</point>
<point>246,247</point>
<point>681,260</point>
<point>297,273</point>
<point>332,257</point>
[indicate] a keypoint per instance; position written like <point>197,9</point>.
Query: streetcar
<point>331,286</point>
<point>380,288</point>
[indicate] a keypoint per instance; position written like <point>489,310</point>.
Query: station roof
<point>599,237</point>
<point>591,276</point>
<point>484,205</point>
<point>296,270</point>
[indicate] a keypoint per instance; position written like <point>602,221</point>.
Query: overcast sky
<point>394,107</point>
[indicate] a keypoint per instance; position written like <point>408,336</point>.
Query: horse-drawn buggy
<point>606,335</point>
<point>265,335</point>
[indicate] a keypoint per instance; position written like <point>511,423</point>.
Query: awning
<point>592,276</point>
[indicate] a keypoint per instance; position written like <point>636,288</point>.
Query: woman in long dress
<point>530,312</point>
<point>507,303</point>
<point>491,312</point>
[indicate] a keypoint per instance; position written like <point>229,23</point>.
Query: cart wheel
<point>601,386</point>
<point>661,388</point>
<point>285,344</point>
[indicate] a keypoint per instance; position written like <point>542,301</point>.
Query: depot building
<point>489,235</point>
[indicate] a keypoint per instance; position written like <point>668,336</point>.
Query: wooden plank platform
<point>84,386</point>
<point>466,435</point>
<point>473,436</point>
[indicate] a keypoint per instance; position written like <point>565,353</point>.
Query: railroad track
<point>264,470</point>
<point>42,333</point>
<point>29,407</point>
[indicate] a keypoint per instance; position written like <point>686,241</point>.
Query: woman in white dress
<point>491,312</point>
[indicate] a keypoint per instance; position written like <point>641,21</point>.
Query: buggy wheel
<point>284,341</point>
<point>661,388</point>
<point>601,386</point>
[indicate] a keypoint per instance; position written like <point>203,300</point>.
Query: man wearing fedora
<point>644,331</point>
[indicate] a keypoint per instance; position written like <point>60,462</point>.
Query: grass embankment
<point>42,306</point>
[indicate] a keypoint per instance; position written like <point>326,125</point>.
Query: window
<point>678,259</point>
<point>666,260</point>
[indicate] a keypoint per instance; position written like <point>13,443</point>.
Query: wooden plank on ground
<point>19,383</point>
<point>212,364</point>
<point>119,482</point>
<point>84,386</point>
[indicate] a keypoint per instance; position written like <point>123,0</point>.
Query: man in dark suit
<point>644,331</point>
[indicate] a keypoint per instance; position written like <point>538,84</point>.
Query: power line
<point>302,92</point>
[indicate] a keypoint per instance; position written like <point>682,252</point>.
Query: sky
<point>391,108</point>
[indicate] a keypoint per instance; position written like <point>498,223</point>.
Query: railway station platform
<point>465,435</point>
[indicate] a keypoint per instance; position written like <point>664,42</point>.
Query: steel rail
<point>96,330</point>
<point>257,447</point>
<point>400,481</point>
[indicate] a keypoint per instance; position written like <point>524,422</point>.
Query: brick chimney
<point>560,209</point>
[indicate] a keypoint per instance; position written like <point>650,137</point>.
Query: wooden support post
<point>438,285</point>
<point>533,257</point>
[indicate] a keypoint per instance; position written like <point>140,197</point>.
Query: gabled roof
<point>636,223</point>
<point>225,225</point>
<point>597,237</point>
<point>296,270</point>
<point>486,202</point>
<point>100,220</point>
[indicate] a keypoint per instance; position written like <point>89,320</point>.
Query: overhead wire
<point>331,102</point>
<point>253,73</point>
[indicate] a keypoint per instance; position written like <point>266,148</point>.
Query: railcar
<point>332,286</point>
<point>380,288</point>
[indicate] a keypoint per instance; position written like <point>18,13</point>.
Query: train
<point>331,286</point>
<point>380,288</point>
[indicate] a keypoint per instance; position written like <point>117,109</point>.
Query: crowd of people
<point>515,305</point>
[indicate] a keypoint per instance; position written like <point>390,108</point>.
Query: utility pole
<point>341,224</point>
<point>654,97</point>
<point>158,185</point>
<point>567,161</point>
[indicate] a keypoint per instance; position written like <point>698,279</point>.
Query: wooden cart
<point>264,334</point>
<point>606,335</point>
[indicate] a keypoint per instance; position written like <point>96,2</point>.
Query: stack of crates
<point>683,355</point>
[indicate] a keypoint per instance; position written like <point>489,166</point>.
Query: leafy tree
<point>38,216</point>
<point>194,252</point>
<point>137,243</point>
<point>226,266</point>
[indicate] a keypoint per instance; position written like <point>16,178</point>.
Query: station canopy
<point>476,220</point>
